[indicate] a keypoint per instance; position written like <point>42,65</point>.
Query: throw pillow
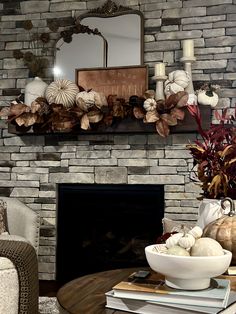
<point>3,216</point>
<point>170,225</point>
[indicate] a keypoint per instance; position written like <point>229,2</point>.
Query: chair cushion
<point>6,263</point>
<point>13,237</point>
<point>3,216</point>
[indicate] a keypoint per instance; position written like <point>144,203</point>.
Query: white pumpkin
<point>207,98</point>
<point>172,88</point>
<point>180,77</point>
<point>196,232</point>
<point>177,250</point>
<point>187,241</point>
<point>62,92</point>
<point>206,247</point>
<point>173,239</point>
<point>85,100</point>
<point>150,104</point>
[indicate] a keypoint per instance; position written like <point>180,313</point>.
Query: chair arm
<point>22,221</point>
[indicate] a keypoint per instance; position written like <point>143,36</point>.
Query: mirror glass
<point>120,43</point>
<point>84,51</point>
<point>122,34</point>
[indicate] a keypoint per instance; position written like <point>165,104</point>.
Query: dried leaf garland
<point>94,116</point>
<point>26,119</point>
<point>84,122</point>
<point>152,116</point>
<point>139,113</point>
<point>162,128</point>
<point>169,119</point>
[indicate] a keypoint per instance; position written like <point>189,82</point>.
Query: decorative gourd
<point>223,229</point>
<point>85,100</point>
<point>62,92</point>
<point>180,77</point>
<point>196,232</point>
<point>187,241</point>
<point>177,81</point>
<point>177,250</point>
<point>206,97</point>
<point>150,104</point>
<point>172,88</point>
<point>173,240</point>
<point>206,247</point>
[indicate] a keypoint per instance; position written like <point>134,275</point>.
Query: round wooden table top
<point>86,295</point>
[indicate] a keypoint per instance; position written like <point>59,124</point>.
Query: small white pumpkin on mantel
<point>207,96</point>
<point>177,81</point>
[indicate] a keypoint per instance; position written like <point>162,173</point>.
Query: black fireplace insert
<point>105,226</point>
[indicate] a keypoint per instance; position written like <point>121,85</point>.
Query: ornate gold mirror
<point>114,37</point>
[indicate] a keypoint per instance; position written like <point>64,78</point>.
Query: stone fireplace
<point>105,226</point>
<point>31,167</point>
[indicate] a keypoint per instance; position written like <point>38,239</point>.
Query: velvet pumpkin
<point>223,229</point>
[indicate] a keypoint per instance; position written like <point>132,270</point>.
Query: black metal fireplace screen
<point>105,226</point>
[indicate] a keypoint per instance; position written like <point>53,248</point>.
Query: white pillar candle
<point>188,48</point>
<point>160,69</point>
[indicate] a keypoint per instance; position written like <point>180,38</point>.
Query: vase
<point>210,210</point>
<point>34,89</point>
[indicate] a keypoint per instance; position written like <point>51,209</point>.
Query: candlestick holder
<point>159,86</point>
<point>188,68</point>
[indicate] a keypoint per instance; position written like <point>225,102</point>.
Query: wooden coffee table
<point>86,295</point>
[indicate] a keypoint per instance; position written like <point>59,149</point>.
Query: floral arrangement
<point>215,155</point>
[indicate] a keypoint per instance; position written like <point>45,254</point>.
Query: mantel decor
<point>106,101</point>
<point>101,98</point>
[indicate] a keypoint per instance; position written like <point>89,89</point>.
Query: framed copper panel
<point>120,81</point>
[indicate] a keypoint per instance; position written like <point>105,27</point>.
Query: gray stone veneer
<point>32,166</point>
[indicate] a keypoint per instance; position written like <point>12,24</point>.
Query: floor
<point>49,288</point>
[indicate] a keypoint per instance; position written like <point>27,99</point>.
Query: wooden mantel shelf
<point>129,125</point>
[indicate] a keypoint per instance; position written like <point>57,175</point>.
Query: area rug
<point>48,305</point>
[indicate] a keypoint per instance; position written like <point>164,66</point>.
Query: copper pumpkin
<point>223,229</point>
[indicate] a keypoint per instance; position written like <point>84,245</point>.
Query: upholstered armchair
<point>23,225</point>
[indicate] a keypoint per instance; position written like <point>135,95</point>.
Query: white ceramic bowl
<point>187,272</point>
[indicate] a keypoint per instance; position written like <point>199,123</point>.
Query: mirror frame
<point>111,9</point>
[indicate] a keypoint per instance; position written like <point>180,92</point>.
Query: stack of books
<point>151,295</point>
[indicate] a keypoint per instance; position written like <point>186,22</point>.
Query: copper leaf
<point>138,113</point>
<point>169,119</point>
<point>84,122</point>
<point>152,116</point>
<point>162,128</point>
<point>178,113</point>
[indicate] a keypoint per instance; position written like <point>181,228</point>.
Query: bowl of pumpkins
<point>188,260</point>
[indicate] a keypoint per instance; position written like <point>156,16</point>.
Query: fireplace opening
<point>105,226</point>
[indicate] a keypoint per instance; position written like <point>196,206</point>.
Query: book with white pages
<point>215,296</point>
<point>149,307</point>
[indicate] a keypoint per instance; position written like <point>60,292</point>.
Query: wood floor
<point>49,288</point>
